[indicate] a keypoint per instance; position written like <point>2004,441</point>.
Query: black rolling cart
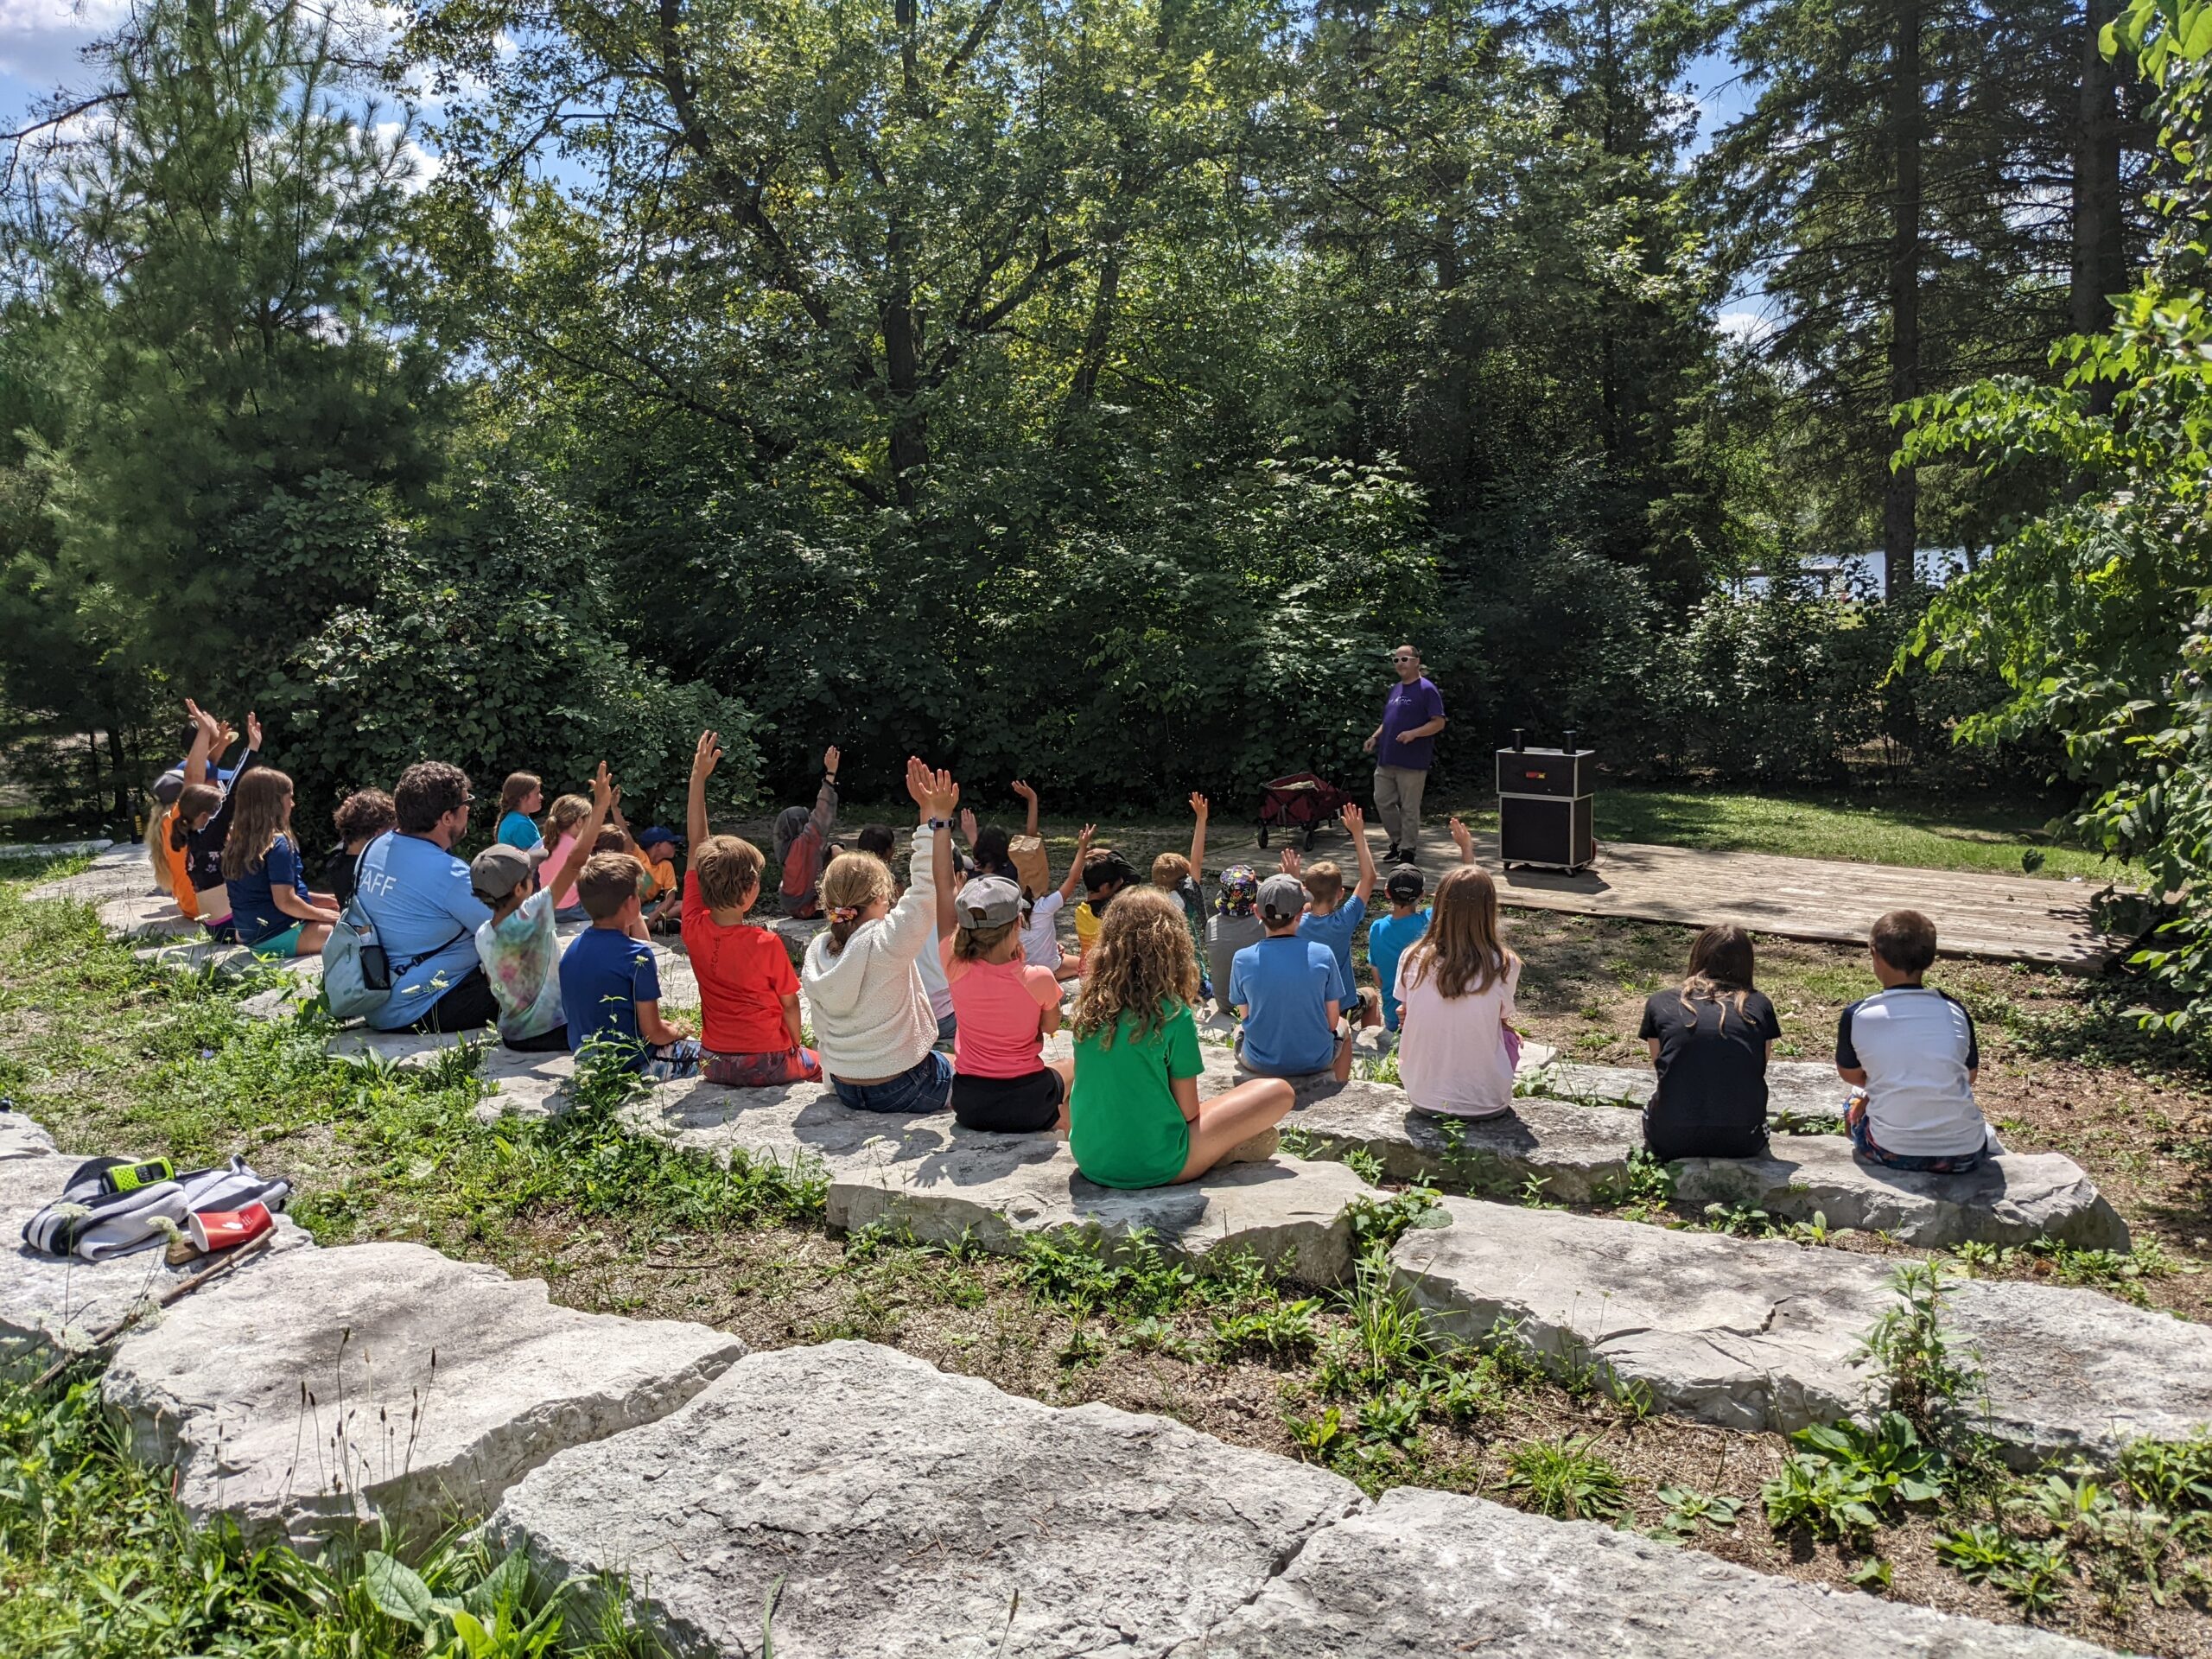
<point>1544,818</point>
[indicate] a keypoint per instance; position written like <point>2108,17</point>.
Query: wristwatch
<point>936,824</point>
<point>829,777</point>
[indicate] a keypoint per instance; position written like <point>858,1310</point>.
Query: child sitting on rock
<point>610,985</point>
<point>361,818</point>
<point>271,906</point>
<point>521,798</point>
<point>1710,1041</point>
<point>1135,1118</point>
<point>1003,1008</point>
<point>664,899</point>
<point>1040,933</point>
<point>199,828</point>
<point>801,842</point>
<point>520,951</point>
<point>1912,1052</point>
<point>1105,873</point>
<point>1388,936</point>
<point>1455,986</point>
<point>565,823</point>
<point>748,991</point>
<point>871,1016</point>
<point>1289,994</point>
<point>1234,925</point>
<point>1334,919</point>
<point>1173,874</point>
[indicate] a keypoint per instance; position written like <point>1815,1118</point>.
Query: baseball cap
<point>658,834</point>
<point>494,872</point>
<point>1403,885</point>
<point>1283,898</point>
<point>987,901</point>
<point>170,786</point>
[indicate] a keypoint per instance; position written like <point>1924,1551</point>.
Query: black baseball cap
<point>1403,887</point>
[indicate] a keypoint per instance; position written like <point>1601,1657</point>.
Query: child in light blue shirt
<point>1388,936</point>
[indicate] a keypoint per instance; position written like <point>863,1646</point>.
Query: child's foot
<point>1257,1150</point>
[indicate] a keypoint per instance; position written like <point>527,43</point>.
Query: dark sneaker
<point>1391,857</point>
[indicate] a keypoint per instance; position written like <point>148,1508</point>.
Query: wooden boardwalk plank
<point>2011,919</point>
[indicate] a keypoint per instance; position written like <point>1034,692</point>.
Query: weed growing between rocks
<point>96,1562</point>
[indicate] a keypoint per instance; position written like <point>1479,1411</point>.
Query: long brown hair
<point>566,817</point>
<point>1461,946</point>
<point>261,810</point>
<point>1721,969</point>
<point>516,791</point>
<point>1142,965</point>
<point>197,799</point>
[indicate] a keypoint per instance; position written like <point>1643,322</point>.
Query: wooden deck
<point>2011,919</point>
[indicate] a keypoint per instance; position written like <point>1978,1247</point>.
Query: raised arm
<point>1074,877</point>
<point>1465,840</point>
<point>704,760</point>
<point>196,759</point>
<point>1029,795</point>
<point>1355,823</point>
<point>825,800</point>
<point>603,798</point>
<point>1198,836</point>
<point>941,868</point>
<point>912,925</point>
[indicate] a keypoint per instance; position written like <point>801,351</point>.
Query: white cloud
<point>1743,327</point>
<point>424,162</point>
<point>40,39</point>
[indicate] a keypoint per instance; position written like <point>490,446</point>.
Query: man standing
<point>1411,719</point>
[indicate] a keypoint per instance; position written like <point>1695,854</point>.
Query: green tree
<point>222,248</point>
<point>2098,613</point>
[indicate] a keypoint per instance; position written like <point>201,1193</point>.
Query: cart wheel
<point>1312,831</point>
<point>1263,835</point>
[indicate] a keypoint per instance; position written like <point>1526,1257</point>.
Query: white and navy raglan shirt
<point>1916,1046</point>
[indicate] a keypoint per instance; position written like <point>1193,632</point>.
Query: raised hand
<point>1288,863</point>
<point>1353,820</point>
<point>1464,839</point>
<point>603,792</point>
<point>707,756</point>
<point>942,794</point>
<point>968,826</point>
<point>918,780</point>
<point>252,730</point>
<point>830,756</point>
<point>1082,843</point>
<point>1022,789</point>
<point>1199,807</point>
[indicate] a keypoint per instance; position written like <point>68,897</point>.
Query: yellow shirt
<point>1086,928</point>
<point>664,878</point>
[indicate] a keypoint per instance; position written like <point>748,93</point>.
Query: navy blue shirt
<point>604,973</point>
<point>253,895</point>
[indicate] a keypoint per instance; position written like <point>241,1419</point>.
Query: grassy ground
<point>114,1056</point>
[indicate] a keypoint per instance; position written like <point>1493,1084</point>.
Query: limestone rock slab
<point>121,872</point>
<point>47,1300</point>
<point>931,1178</point>
<point>20,1137</point>
<point>1747,1333</point>
<point>383,1380</point>
<point>1423,1573</point>
<point>903,1511</point>
<point>1761,1333</point>
<point>2010,1200</point>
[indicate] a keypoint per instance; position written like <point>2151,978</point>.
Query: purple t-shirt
<point>1409,706</point>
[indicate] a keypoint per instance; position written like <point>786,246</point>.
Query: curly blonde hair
<point>1142,966</point>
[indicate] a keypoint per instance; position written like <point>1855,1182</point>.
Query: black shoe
<point>1391,857</point>
<point>1407,855</point>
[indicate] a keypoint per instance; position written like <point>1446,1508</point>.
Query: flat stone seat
<point>893,1509</point>
<point>47,1301</point>
<point>1422,1571</point>
<point>1582,1153</point>
<point>52,848</point>
<point>927,1176</point>
<point>368,1382</point>
<point>1757,1333</point>
<point>120,872</point>
<point>1800,1087</point>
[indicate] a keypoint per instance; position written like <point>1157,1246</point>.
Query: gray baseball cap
<point>987,901</point>
<point>1283,898</point>
<point>494,872</point>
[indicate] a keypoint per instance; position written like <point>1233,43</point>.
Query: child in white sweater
<point>873,1022</point>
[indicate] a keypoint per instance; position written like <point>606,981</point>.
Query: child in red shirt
<point>748,990</point>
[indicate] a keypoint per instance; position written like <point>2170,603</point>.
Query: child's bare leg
<point>1340,1068</point>
<point>1228,1119</point>
<point>1066,1069</point>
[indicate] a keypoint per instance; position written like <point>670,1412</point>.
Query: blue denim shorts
<point>926,1088</point>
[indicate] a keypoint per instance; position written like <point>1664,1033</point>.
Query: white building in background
<point>1861,574</point>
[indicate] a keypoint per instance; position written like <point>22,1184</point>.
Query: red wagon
<point>1304,801</point>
